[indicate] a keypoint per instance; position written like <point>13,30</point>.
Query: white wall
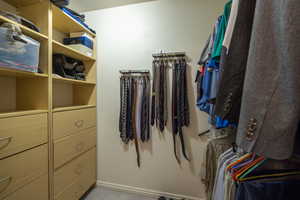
<point>89,5</point>
<point>127,37</point>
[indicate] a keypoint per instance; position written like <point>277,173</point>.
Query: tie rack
<point>169,55</point>
<point>134,71</point>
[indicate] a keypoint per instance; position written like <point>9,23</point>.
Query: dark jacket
<point>233,64</point>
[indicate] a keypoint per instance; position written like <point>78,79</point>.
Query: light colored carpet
<point>100,193</point>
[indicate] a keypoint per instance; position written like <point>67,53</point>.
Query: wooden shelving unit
<point>40,98</point>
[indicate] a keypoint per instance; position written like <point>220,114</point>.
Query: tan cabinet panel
<point>75,178</point>
<point>21,169</point>
<point>69,147</point>
<point>70,122</point>
<point>36,190</point>
<point>21,133</point>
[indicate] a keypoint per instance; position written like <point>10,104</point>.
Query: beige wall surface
<point>127,37</point>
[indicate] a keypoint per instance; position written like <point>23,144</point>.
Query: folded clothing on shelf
<point>20,20</point>
<point>79,40</point>
<point>83,49</point>
<point>17,50</point>
<point>68,67</point>
<point>81,34</point>
<point>83,43</point>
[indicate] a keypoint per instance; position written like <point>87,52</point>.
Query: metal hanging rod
<point>134,71</point>
<point>171,54</point>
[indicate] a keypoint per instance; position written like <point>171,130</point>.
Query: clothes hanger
<point>242,164</point>
<point>241,176</point>
<point>278,175</point>
<point>285,172</point>
<point>247,167</point>
<point>228,168</point>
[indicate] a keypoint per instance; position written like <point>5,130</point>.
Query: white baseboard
<point>142,191</point>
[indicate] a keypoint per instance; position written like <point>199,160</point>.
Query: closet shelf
<point>61,109</point>
<point>63,49</point>
<point>27,31</point>
<point>72,81</point>
<point>64,23</point>
<point>17,73</point>
<point>22,3</point>
<point>21,113</point>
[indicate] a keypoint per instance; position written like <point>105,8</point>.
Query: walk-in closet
<point>149,99</point>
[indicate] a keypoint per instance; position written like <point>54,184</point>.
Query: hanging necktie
<point>180,106</point>
<point>145,111</point>
<point>154,94</point>
<point>134,119</point>
<point>133,113</point>
<point>159,95</point>
<point>124,120</point>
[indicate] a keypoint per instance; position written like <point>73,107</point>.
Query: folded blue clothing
<point>79,40</point>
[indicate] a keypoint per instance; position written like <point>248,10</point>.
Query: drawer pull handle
<point>4,180</point>
<point>79,123</point>
<point>8,139</point>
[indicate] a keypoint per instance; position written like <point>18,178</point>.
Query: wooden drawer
<point>36,190</point>
<point>75,178</point>
<point>69,147</point>
<point>70,122</point>
<point>21,133</point>
<point>21,169</point>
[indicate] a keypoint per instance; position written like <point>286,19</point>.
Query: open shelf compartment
<point>60,19</point>
<point>35,11</point>
<point>69,96</point>
<point>22,94</point>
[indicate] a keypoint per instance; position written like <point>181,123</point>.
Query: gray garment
<point>205,53</point>
<point>270,109</point>
<point>215,147</point>
<point>219,190</point>
<point>138,110</point>
<point>229,187</point>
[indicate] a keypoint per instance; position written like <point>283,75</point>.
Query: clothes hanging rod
<point>172,54</point>
<point>134,71</point>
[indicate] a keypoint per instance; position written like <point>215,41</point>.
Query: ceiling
<point>88,5</point>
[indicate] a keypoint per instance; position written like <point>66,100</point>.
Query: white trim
<point>145,192</point>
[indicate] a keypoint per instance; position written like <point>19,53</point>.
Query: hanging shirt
<point>205,84</point>
<point>221,32</point>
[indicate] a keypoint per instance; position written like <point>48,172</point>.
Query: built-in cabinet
<point>47,123</point>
